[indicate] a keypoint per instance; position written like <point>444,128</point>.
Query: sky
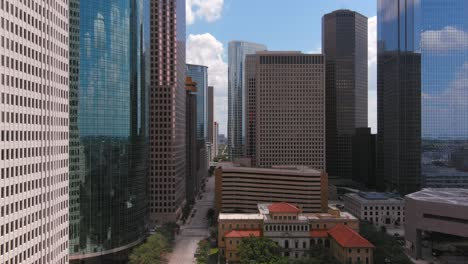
<point>291,25</point>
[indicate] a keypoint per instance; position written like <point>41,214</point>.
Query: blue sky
<point>290,25</point>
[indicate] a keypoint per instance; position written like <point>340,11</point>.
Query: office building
<point>240,188</point>
<point>285,102</point>
<point>215,140</point>
<point>210,114</point>
<point>191,139</point>
<point>108,129</point>
<point>294,231</point>
<point>167,110</point>
<point>421,70</point>
<point>344,45</point>
<point>34,107</point>
<point>380,209</point>
<point>364,157</point>
<point>237,95</point>
<point>199,74</point>
<point>436,215</point>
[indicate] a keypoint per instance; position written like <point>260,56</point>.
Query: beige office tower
<point>167,111</point>
<point>34,132</point>
<point>285,116</point>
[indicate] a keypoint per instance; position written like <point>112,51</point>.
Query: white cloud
<point>448,38</point>
<point>209,10</point>
<point>205,49</point>
<point>372,72</point>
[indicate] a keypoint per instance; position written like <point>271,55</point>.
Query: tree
<point>203,251</point>
<point>259,250</point>
<point>152,251</point>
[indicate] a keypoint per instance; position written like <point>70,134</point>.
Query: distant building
<point>191,139</point>
<point>435,181</point>
<point>236,95</point>
<point>215,139</point>
<point>240,189</point>
<point>210,128</point>
<point>295,232</point>
<point>285,109</point>
<point>438,211</point>
<point>364,157</point>
<point>222,140</point>
<point>380,209</point>
<point>344,45</point>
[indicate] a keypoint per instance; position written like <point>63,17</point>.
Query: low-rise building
<point>294,231</point>
<point>350,247</point>
<point>380,209</point>
<point>435,211</point>
<point>239,188</point>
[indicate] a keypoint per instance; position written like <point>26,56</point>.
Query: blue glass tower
<point>108,128</point>
<point>422,91</point>
<point>199,74</point>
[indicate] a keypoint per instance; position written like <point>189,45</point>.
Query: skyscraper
<point>34,132</point>
<point>422,81</point>
<point>215,139</point>
<point>236,94</point>
<point>108,128</point>
<point>167,110</point>
<point>285,104</point>
<point>210,113</point>
<point>345,48</point>
<point>199,74</point>
<point>191,139</point>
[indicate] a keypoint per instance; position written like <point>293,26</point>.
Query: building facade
<point>294,231</point>
<point>380,209</point>
<point>191,139</point>
<point>215,139</point>
<point>236,95</point>
<point>199,74</point>
<point>167,110</point>
<point>344,45</point>
<point>436,211</point>
<point>285,109</point>
<point>210,113</point>
<point>240,189</point>
<point>422,69</point>
<point>364,157</point>
<point>34,80</point>
<point>108,129</point>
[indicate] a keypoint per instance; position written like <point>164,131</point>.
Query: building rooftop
<point>283,208</point>
<point>442,195</point>
<point>242,233</point>
<point>348,238</point>
<point>375,196</point>
<point>292,170</point>
<point>240,216</point>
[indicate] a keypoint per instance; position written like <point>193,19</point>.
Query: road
<point>196,229</point>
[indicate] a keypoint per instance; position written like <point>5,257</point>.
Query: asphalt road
<point>195,229</point>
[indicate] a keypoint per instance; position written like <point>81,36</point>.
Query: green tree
<point>203,251</point>
<point>259,250</point>
<point>152,251</point>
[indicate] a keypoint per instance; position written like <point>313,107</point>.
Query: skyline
<point>213,23</point>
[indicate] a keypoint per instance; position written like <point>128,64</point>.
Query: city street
<point>195,229</point>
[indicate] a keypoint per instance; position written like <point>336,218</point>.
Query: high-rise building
<point>210,114</point>
<point>199,74</point>
<point>108,129</point>
<point>167,110</point>
<point>236,95</point>
<point>285,102</point>
<point>345,48</point>
<point>215,139</point>
<point>191,139</point>
<point>422,73</point>
<point>364,157</point>
<point>34,107</point>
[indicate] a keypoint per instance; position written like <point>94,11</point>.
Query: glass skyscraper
<point>237,94</point>
<point>108,127</point>
<point>422,91</point>
<point>199,74</point>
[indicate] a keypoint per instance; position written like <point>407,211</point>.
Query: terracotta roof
<point>283,208</point>
<point>319,233</point>
<point>242,233</point>
<point>348,238</point>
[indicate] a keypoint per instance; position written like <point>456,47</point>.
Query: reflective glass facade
<point>422,80</point>
<point>237,94</point>
<point>108,125</point>
<point>199,75</point>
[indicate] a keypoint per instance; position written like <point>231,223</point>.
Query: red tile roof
<point>242,233</point>
<point>283,208</point>
<point>319,233</point>
<point>348,238</point>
